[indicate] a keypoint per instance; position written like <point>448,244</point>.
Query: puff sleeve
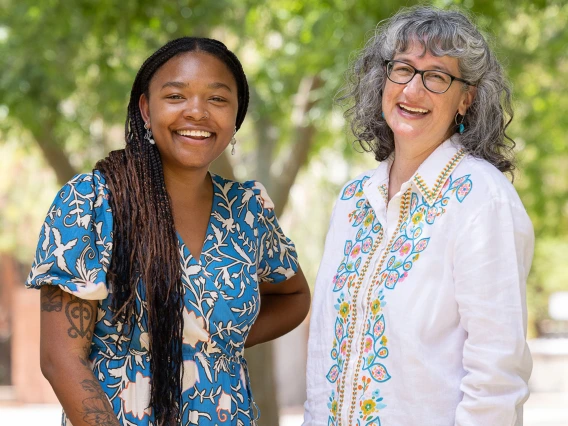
<point>277,259</point>
<point>75,243</point>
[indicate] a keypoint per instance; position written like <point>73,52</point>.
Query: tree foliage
<point>68,66</point>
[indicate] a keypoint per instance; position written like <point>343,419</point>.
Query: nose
<point>415,86</point>
<point>195,110</point>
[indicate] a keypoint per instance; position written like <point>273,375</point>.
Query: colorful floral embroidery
<point>375,341</point>
<point>355,188</point>
<point>374,350</point>
<point>418,211</point>
<point>430,194</point>
<point>411,242</point>
<point>370,404</point>
<point>332,405</point>
<point>348,273</point>
<point>384,192</point>
<point>376,338</point>
<point>364,218</point>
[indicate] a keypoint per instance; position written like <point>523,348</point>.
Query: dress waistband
<point>232,359</point>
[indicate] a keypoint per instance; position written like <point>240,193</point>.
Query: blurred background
<point>66,71</point>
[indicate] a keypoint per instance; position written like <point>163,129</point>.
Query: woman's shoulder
<point>75,243</point>
<point>93,182</point>
<point>247,189</point>
<point>488,182</point>
<point>85,193</point>
<point>361,177</point>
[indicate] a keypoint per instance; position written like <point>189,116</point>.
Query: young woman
<point>154,273</point>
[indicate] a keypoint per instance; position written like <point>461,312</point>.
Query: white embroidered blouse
<point>419,313</point>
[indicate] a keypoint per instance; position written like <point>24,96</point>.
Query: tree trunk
<point>265,143</point>
<point>53,153</point>
<point>56,157</point>
<point>304,134</point>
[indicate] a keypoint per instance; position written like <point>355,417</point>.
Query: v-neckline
<point>208,230</point>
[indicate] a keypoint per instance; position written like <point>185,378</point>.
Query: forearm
<point>80,393</point>
<point>67,325</point>
<point>279,314</point>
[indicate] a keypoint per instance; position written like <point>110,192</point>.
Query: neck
<point>406,161</point>
<point>187,186</point>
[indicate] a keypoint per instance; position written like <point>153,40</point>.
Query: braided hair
<point>145,241</point>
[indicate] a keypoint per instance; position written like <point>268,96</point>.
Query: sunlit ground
<point>542,409</point>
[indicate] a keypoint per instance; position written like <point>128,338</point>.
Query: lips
<point>413,110</point>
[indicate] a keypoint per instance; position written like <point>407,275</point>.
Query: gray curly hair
<point>440,32</point>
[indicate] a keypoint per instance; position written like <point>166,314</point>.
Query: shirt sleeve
<point>277,258</point>
<point>492,261</point>
<point>75,242</point>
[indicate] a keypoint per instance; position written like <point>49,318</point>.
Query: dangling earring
<point>148,136</point>
<point>233,142</point>
<point>461,127</point>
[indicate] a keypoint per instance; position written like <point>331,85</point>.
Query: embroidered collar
<point>437,168</point>
<point>429,179</point>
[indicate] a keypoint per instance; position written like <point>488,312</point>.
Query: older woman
<point>419,313</point>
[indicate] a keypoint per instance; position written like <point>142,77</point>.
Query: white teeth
<point>407,108</point>
<point>197,133</point>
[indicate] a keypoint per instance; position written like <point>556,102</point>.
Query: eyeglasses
<point>435,81</point>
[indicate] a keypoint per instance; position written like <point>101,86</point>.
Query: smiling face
<point>420,119</point>
<point>191,109</point>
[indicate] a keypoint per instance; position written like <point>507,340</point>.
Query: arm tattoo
<point>51,299</point>
<point>81,316</point>
<point>83,361</point>
<point>96,409</point>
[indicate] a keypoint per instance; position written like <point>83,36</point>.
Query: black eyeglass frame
<point>421,72</point>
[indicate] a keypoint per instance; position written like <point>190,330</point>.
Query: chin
<point>190,163</point>
<point>407,134</point>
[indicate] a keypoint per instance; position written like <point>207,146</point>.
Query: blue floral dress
<point>244,245</point>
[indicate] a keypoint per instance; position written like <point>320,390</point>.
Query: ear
<point>144,105</point>
<point>467,99</point>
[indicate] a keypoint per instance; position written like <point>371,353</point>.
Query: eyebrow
<point>219,85</point>
<point>181,85</point>
<point>177,84</point>
<point>433,68</point>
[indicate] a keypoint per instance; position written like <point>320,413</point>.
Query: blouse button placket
<point>401,207</point>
